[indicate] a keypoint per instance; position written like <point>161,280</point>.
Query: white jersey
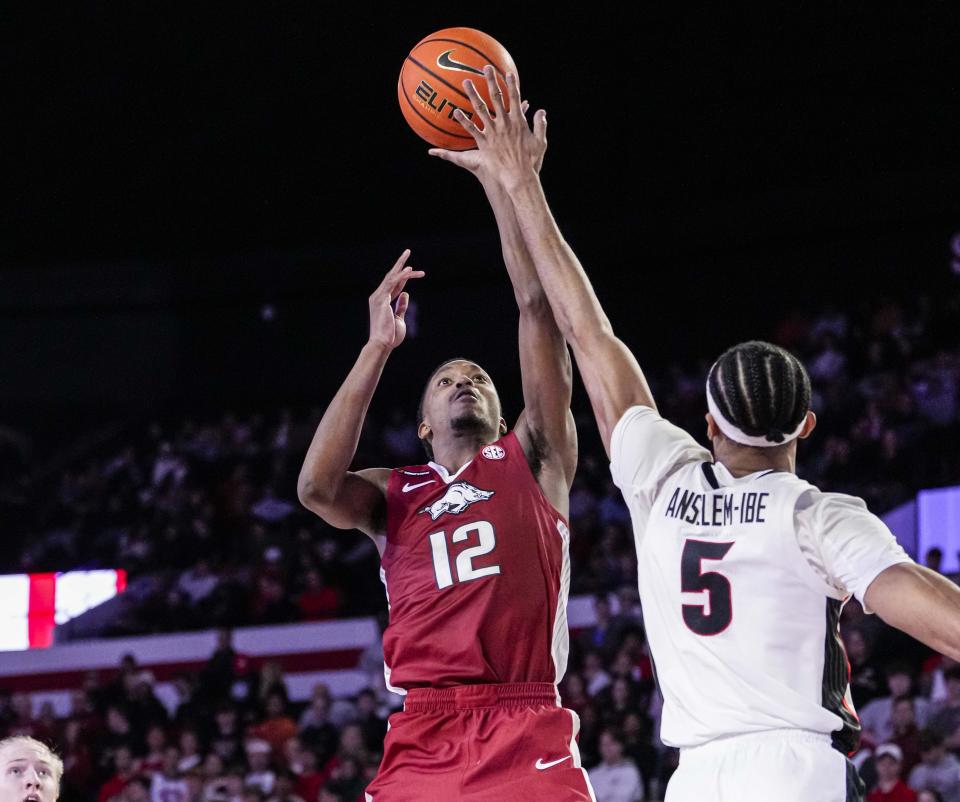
<point>742,582</point>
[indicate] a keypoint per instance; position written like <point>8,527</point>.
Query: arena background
<point>199,199</point>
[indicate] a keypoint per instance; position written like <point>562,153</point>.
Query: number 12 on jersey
<point>693,579</point>
<point>464,563</point>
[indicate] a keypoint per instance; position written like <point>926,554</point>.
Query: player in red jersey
<point>475,556</point>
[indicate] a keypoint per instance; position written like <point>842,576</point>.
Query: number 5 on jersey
<point>693,579</point>
<point>464,564</point>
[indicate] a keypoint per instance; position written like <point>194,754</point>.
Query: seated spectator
<point>602,636</point>
<point>929,795</point>
<point>137,790</point>
<point>890,787</point>
<point>156,740</point>
<point>198,582</point>
<point>876,718</point>
<point>616,778</point>
<point>168,784</point>
<point>124,770</point>
<point>190,757</point>
<point>594,675</point>
<point>316,730</point>
<point>906,734</point>
<point>864,672</point>
<point>277,727</point>
<point>317,601</point>
<point>227,739</point>
<point>374,727</point>
<point>261,776</point>
<point>945,719</point>
<point>284,790</point>
<point>939,769</point>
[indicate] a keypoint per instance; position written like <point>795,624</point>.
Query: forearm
<point>572,298</point>
<point>335,442</point>
<point>921,603</point>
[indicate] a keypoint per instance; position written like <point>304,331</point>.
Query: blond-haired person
<point>29,771</point>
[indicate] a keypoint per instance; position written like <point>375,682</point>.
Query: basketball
<point>430,88</point>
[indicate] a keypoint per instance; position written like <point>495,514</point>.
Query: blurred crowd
<point>203,512</point>
<point>230,732</point>
<point>208,508</point>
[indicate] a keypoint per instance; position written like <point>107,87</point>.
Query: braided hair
<point>761,389</point>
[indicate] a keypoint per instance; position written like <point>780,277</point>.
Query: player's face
<point>461,397</point>
<point>27,775</point>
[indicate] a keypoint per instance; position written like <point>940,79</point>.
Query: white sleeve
<point>844,542</point>
<point>644,450</point>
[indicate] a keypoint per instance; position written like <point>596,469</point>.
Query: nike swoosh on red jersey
<point>408,487</point>
<point>541,765</point>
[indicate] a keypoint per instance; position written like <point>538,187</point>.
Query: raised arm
<point>343,498</point>
<point>511,152</point>
<point>921,603</point>
<point>545,428</point>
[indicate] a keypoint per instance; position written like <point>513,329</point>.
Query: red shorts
<point>482,743</point>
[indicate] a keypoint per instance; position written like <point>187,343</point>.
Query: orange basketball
<point>431,82</point>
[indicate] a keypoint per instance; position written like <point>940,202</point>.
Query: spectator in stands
<point>317,601</point>
<point>373,726</point>
<point>933,559</point>
<point>876,717</point>
<point>602,636</point>
<point>316,731</point>
<point>929,795</point>
<point>190,756</point>
<point>864,673</point>
<point>137,790</point>
<point>168,784</point>
<point>198,583</point>
<point>890,787</point>
<point>124,770</point>
<point>939,769</point>
<point>616,779</point>
<point>946,716</point>
<point>156,741</point>
<point>261,776</point>
<point>309,779</point>
<point>284,790</point>
<point>906,733</point>
<point>277,727</point>
<point>226,740</point>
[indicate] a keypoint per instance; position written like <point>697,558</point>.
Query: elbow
<point>309,495</point>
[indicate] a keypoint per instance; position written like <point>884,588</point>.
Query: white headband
<point>739,436</point>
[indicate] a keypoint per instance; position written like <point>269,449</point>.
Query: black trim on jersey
<point>836,681</point>
<point>710,475</point>
<point>856,790</point>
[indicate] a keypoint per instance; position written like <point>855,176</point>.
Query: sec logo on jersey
<point>493,452</point>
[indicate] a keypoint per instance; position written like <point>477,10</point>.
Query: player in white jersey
<point>743,567</point>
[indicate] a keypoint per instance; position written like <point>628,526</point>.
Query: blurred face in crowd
<point>888,768</point>
<point>122,760</point>
<point>611,749</point>
<point>351,740</point>
<point>189,744</point>
<point>274,706</point>
<point>226,720</point>
<point>903,715</point>
<point>928,796</point>
<point>156,739</point>
<point>259,761</point>
<point>171,757</point>
<point>213,765</point>
<point>953,689</point>
<point>136,791</point>
<point>856,646</point>
<point>28,772</point>
<point>899,683</point>
<point>933,755</point>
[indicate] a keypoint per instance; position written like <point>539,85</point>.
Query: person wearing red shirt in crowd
<point>890,788</point>
<point>124,768</point>
<point>317,601</point>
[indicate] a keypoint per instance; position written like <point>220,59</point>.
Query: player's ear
<point>713,431</point>
<point>808,425</point>
<point>503,427</point>
<point>423,430</point>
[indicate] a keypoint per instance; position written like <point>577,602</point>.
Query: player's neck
<point>744,460</point>
<point>456,452</point>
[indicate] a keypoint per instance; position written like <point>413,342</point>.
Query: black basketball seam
<point>428,122</point>
<point>440,78</point>
<point>480,53</point>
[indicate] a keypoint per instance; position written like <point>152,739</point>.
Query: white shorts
<point>781,765</point>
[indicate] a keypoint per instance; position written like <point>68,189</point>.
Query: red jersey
<point>477,572</point>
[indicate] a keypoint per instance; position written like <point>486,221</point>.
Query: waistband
<point>467,697</point>
<point>733,741</point>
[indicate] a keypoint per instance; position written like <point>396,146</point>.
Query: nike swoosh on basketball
<point>408,487</point>
<point>445,62</point>
<point>541,765</point>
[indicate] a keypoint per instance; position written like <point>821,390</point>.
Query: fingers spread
<point>513,90</point>
<point>403,301</point>
<point>493,89</point>
<point>468,125</point>
<point>478,103</point>
<point>540,125</point>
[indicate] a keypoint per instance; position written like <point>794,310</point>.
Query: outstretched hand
<point>507,149</point>
<point>389,302</point>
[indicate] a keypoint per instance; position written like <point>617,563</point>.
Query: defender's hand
<point>387,326</point>
<point>507,150</point>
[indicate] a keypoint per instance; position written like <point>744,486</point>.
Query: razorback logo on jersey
<point>459,496</point>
